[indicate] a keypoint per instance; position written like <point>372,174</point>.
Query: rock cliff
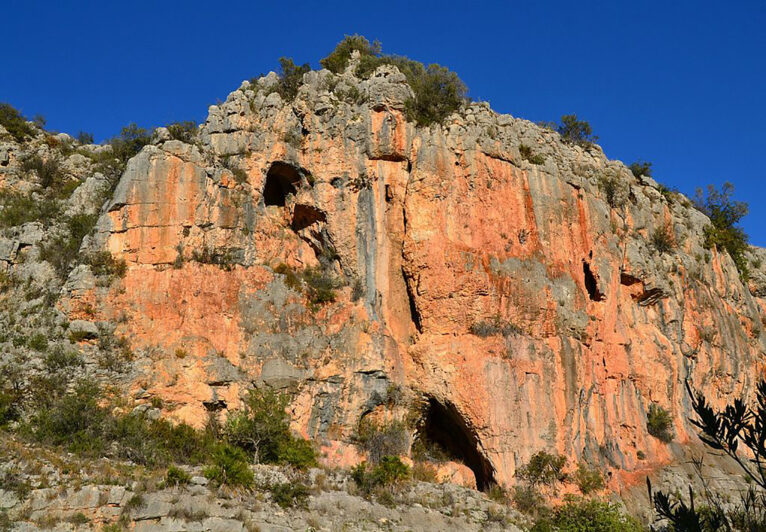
<point>516,306</point>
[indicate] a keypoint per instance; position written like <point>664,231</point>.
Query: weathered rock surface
<point>434,231</point>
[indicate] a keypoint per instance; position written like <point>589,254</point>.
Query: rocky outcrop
<point>522,306</point>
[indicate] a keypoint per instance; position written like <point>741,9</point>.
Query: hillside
<point>478,289</point>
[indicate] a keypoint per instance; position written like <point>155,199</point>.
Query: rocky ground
<point>46,490</point>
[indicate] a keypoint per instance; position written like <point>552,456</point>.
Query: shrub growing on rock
<point>14,122</point>
<point>641,168</point>
<point>390,470</point>
<point>380,440</point>
<point>663,239</point>
<point>184,131</point>
<point>724,232</point>
<point>588,479</point>
<point>574,131</point>
<point>338,59</point>
<point>438,91</point>
<point>290,78</point>
<point>230,467</point>
<point>543,468</point>
<point>578,514</point>
<point>262,430</point>
<point>659,423</point>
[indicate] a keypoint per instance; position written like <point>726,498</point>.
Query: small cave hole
<point>282,180</point>
<point>443,434</point>
<point>591,283</point>
<point>306,215</point>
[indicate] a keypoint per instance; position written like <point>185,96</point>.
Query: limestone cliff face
<point>438,232</point>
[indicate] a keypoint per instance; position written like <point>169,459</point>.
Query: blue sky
<point>681,84</point>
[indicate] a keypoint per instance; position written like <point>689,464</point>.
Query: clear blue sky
<point>681,84</point>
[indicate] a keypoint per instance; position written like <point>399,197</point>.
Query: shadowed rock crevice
<point>444,427</point>
<point>282,180</point>
<point>591,283</point>
<point>306,215</point>
<point>414,314</point>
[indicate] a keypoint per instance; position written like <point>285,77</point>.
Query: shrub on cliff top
<point>438,91</point>
<point>14,122</point>
<point>183,131</point>
<point>640,168</point>
<point>574,131</point>
<point>338,59</point>
<point>290,78</point>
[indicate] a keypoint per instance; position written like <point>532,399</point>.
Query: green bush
<point>613,189</point>
<point>290,78</point>
<point>19,209</point>
<point>13,121</point>
<point>659,423</point>
<point>230,467</point>
<point>184,131</point>
<point>641,168</point>
<point>579,515</point>
<point>129,142</point>
<point>380,440</point>
<point>338,59</point>
<point>320,285</point>
<point>527,499</point>
<point>262,430</point>
<point>104,263</point>
<point>543,468</point>
<point>48,171</point>
<point>574,131</point>
<point>663,239</point>
<point>38,342</point>
<point>723,231</point>
<point>289,494</point>
<point>177,477</point>
<point>438,91</point>
<point>389,471</point>
<point>494,327</point>
<point>588,480</point>
<point>526,154</point>
<point>62,250</point>
<point>84,138</point>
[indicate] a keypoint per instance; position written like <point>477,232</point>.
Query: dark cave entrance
<point>282,180</point>
<point>591,283</point>
<point>443,434</point>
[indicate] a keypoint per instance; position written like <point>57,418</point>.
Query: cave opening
<point>443,434</point>
<point>591,284</point>
<point>282,179</point>
<point>306,215</point>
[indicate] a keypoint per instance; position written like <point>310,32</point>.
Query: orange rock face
<point>518,304</point>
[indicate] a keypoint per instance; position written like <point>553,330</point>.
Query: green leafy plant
<point>641,168</point>
<point>582,515</point>
<point>290,78</point>
<point>724,232</point>
<point>390,470</point>
<point>574,131</point>
<point>289,494</point>
<point>659,423</point>
<point>230,467</point>
<point>14,122</point>
<point>177,477</point>
<point>184,131</point>
<point>382,439</point>
<point>663,239</point>
<point>261,428</point>
<point>543,468</point>
<point>338,59</point>
<point>588,479</point>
